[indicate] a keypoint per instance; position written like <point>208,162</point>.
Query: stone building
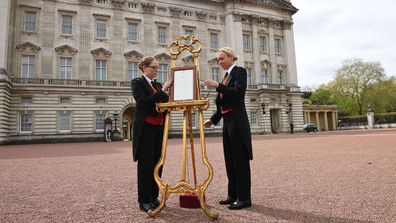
<point>325,117</point>
<point>66,65</point>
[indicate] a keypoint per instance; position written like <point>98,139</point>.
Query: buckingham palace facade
<point>66,65</point>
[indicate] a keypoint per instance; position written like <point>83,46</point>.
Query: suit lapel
<point>146,85</point>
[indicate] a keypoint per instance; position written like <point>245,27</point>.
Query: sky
<point>328,32</point>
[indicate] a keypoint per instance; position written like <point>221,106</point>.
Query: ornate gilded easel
<point>192,45</point>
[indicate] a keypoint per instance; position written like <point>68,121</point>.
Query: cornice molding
<point>163,57</point>
<point>133,54</point>
<point>66,49</point>
<point>147,7</point>
<point>27,46</point>
<point>101,51</point>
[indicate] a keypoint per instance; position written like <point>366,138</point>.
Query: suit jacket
<point>145,106</point>
<point>234,98</point>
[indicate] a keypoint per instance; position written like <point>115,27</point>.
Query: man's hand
<point>167,84</point>
<point>208,123</point>
<point>212,84</point>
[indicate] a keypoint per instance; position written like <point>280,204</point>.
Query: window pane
<point>26,122</point>
<point>30,21</point>
<point>216,74</point>
<point>64,122</point>
<point>264,76</point>
<point>162,73</point>
<point>249,76</point>
<point>101,29</point>
<point>67,24</point>
<point>161,34</point>
<point>132,70</point>
<point>101,70</point>
<point>99,121</point>
<point>27,66</point>
<point>246,41</point>
<point>213,41</point>
<point>280,77</point>
<point>65,69</point>
<point>132,32</point>
<point>263,44</point>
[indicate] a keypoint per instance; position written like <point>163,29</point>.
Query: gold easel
<point>185,43</point>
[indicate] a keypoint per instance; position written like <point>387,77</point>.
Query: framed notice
<point>184,86</point>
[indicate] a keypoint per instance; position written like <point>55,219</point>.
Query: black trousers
<point>149,154</point>
<point>236,160</point>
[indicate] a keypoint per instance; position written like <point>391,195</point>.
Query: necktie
<point>224,82</point>
<point>152,85</point>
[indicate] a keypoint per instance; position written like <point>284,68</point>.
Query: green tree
<point>355,78</point>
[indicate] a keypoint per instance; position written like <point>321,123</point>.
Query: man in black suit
<point>237,143</point>
<point>148,131</point>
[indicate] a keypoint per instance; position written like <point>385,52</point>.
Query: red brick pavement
<point>325,177</point>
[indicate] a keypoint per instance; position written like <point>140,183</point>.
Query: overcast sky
<point>328,32</point>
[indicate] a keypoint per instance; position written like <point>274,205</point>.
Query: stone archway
<point>128,116</point>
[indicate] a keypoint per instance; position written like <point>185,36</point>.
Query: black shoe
<point>227,200</point>
<point>155,202</point>
<point>238,204</point>
<point>146,206</point>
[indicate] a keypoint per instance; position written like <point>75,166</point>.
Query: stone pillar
<point>370,119</point>
<point>256,53</point>
<point>48,37</point>
<point>325,121</point>
<point>271,50</point>
<point>333,117</point>
<point>309,117</point>
<point>290,53</point>
<point>233,23</point>
<point>5,85</point>
<point>317,120</point>
<point>84,52</point>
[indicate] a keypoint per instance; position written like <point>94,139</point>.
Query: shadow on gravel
<point>298,216</point>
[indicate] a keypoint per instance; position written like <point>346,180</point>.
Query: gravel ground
<point>335,177</point>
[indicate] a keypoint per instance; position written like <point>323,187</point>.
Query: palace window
<point>246,41</point>
<point>263,44</point>
<point>264,76</point>
<point>280,77</point>
<point>101,28</point>
<point>162,72</point>
<point>278,46</point>
<point>26,122</point>
<point>65,68</point>
<point>27,66</point>
<point>132,70</point>
<point>249,76</point>
<point>188,13</point>
<point>162,34</point>
<point>26,100</point>
<point>99,121</point>
<point>253,118</point>
<point>64,122</point>
<point>214,40</point>
<point>161,9</point>
<point>216,74</point>
<point>30,21</point>
<point>132,5</point>
<point>100,101</point>
<point>133,32</point>
<point>65,100</point>
<point>101,70</point>
<point>67,25</point>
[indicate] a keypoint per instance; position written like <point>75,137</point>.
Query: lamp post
<point>263,108</point>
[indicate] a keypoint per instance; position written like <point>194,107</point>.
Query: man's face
<point>224,60</point>
<point>151,70</point>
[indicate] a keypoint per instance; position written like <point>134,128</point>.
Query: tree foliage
<point>357,84</point>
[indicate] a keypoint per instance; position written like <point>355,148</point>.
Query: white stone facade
<point>65,65</point>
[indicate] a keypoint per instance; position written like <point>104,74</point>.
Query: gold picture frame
<point>184,86</point>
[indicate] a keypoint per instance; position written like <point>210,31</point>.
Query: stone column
<point>325,121</point>
<point>48,37</point>
<point>5,85</point>
<point>370,119</point>
<point>233,23</point>
<point>309,117</point>
<point>256,53</point>
<point>271,51</point>
<point>317,120</point>
<point>84,54</point>
<point>290,53</point>
<point>333,117</point>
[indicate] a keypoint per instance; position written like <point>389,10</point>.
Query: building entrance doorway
<point>127,121</point>
<point>275,120</point>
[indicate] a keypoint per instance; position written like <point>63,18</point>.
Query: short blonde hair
<point>229,52</point>
<point>146,61</point>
